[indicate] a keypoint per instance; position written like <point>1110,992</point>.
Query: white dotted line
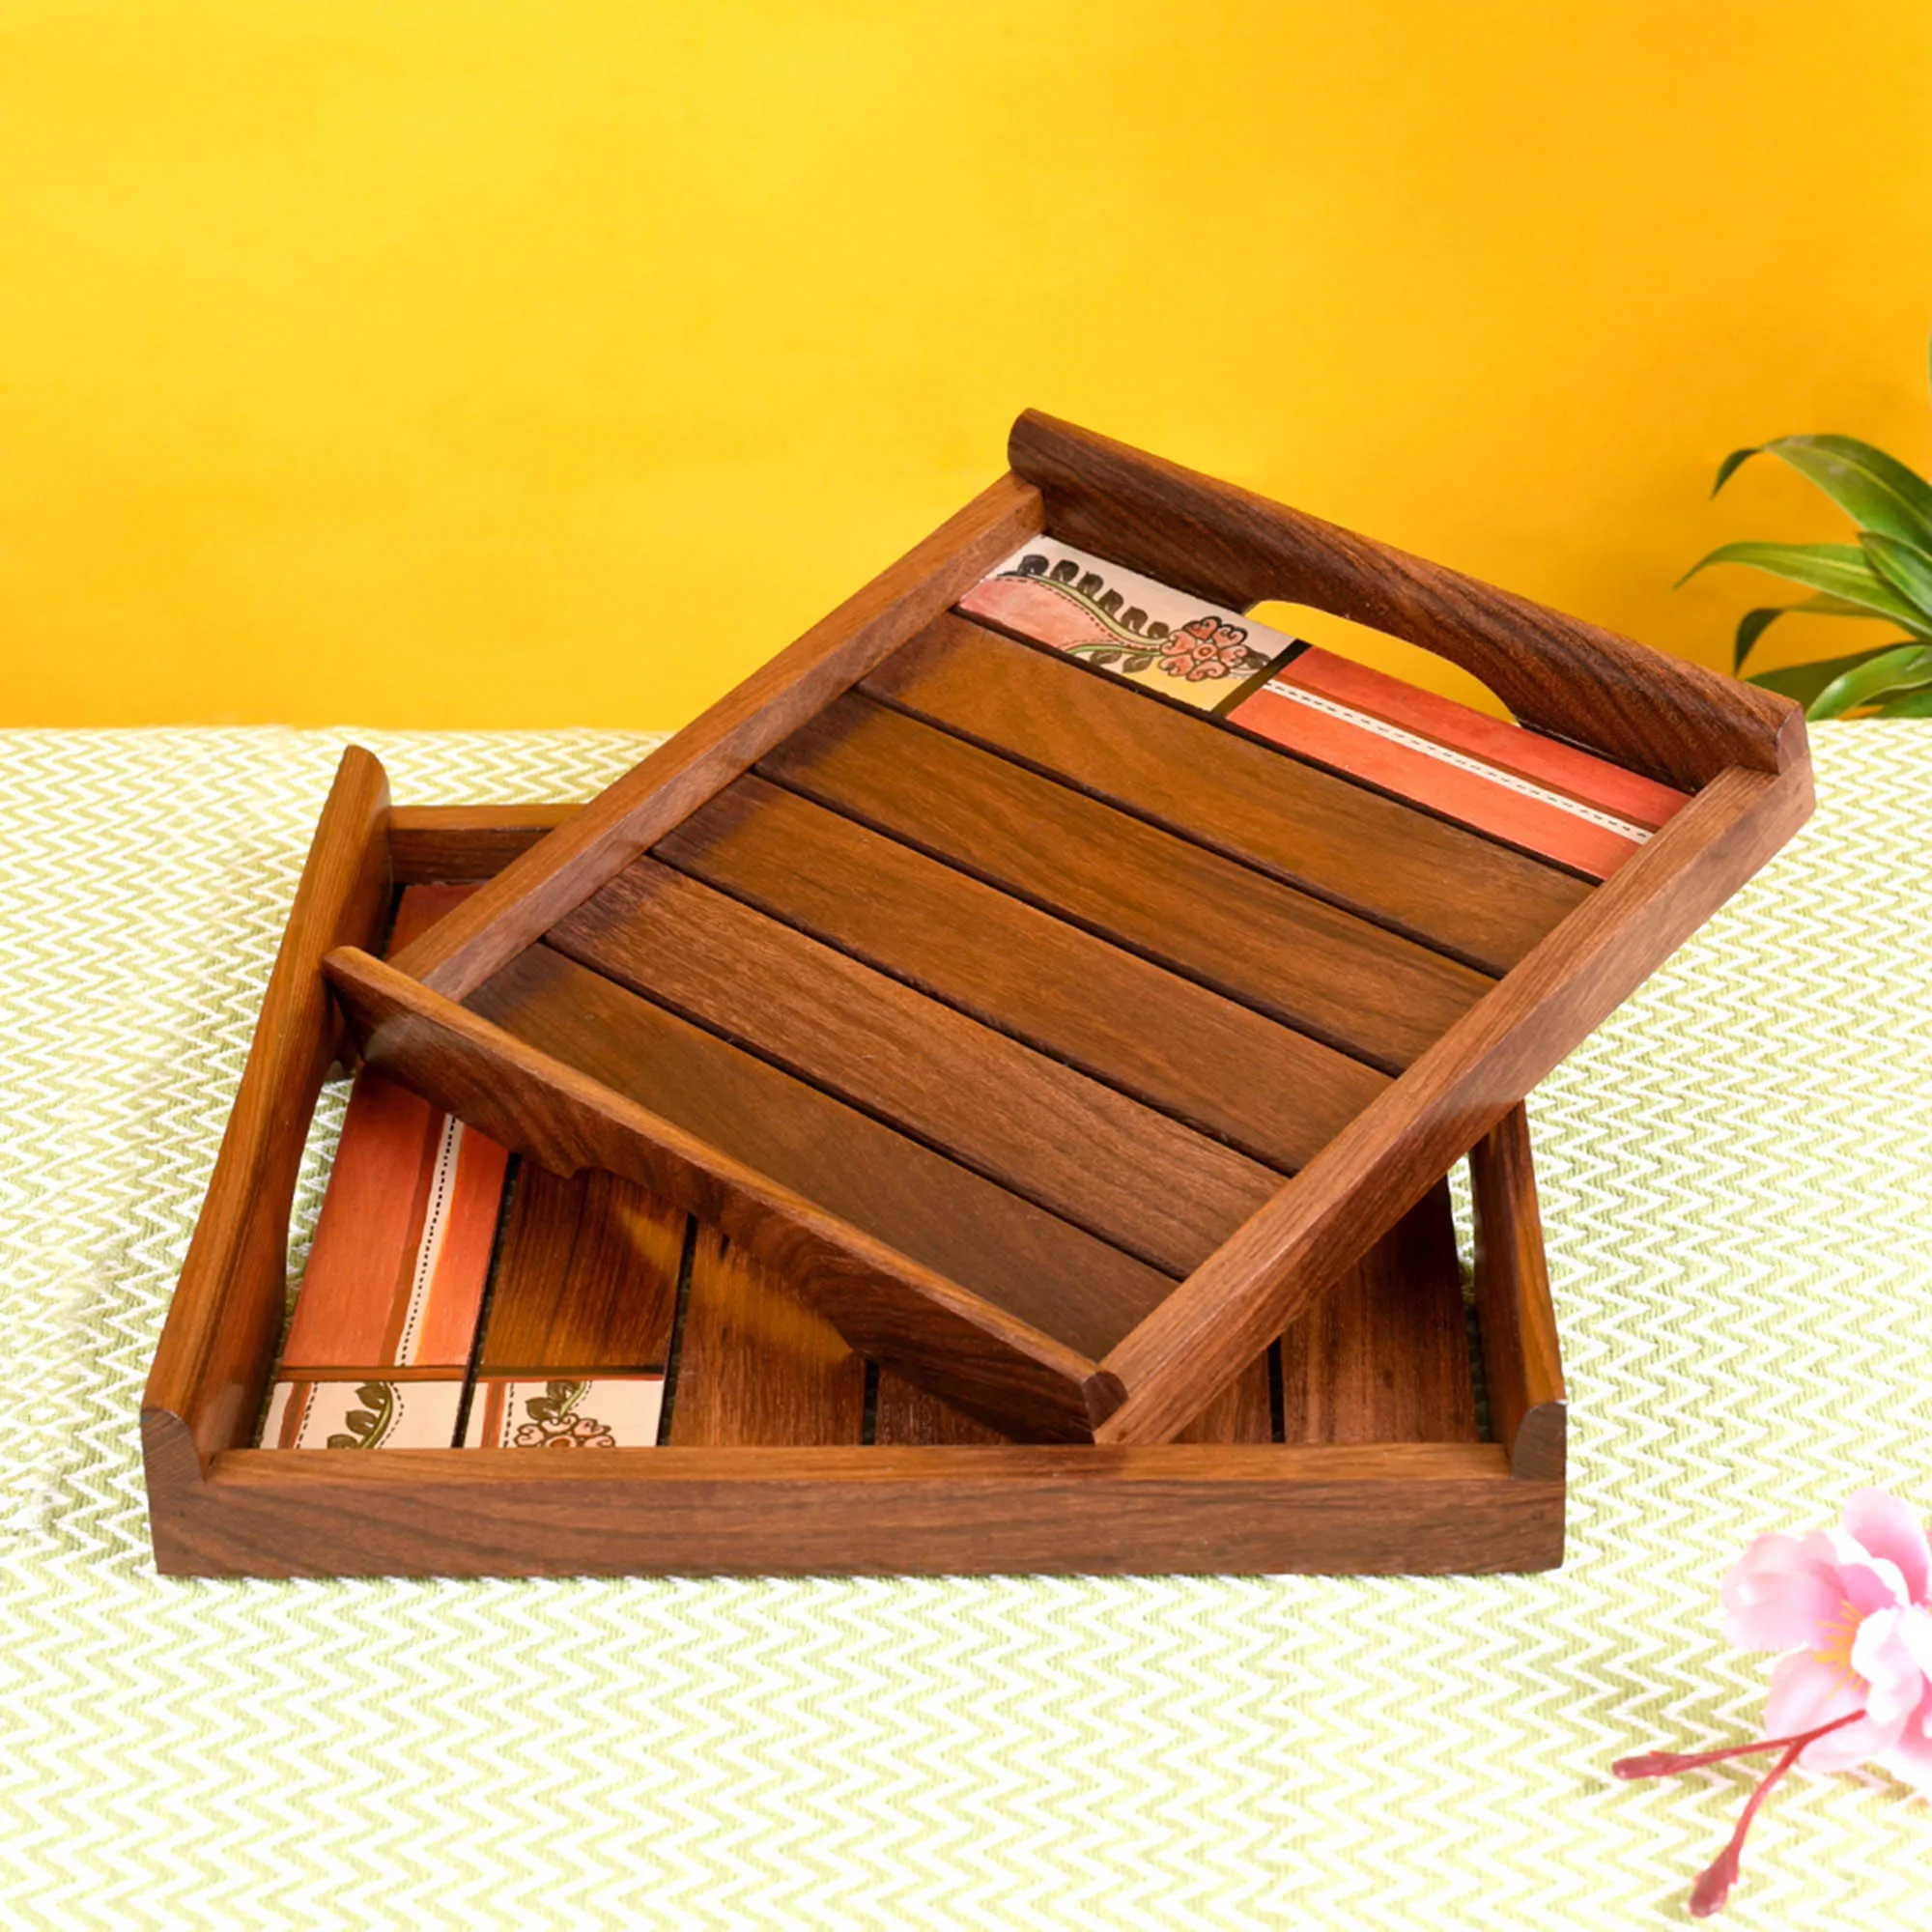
<point>430,1247</point>
<point>1637,835</point>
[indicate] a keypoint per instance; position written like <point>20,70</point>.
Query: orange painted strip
<point>449,1321</point>
<point>396,1274</point>
<point>364,1238</point>
<point>1495,741</point>
<point>1456,792</point>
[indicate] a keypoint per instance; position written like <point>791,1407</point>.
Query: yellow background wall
<point>527,362</point>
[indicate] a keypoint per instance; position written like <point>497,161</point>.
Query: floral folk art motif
<point>1851,1611</point>
<point>1124,623</point>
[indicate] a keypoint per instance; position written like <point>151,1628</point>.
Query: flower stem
<point>1667,1764</point>
<point>1715,1882</point>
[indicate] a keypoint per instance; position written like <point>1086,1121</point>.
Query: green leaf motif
<point>1837,570</point>
<point>1876,491</point>
<point>1904,566</point>
<point>555,1406</point>
<point>1902,670</point>
<point>367,1427</point>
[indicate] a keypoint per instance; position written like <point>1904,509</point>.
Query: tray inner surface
<point>607,1320</point>
<point>1045,983</point>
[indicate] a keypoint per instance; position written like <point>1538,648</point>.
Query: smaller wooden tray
<point>1352,1445</point>
<point>1060,1044</point>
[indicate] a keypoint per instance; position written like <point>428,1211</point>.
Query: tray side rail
<point>212,1359</point>
<point>550,880</point>
<point>1522,1365</point>
<point>1319,1223</point>
<point>1405,1508</point>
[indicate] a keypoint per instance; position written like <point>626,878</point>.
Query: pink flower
<point>1851,1609</point>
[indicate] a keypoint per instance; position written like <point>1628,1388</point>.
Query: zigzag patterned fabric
<point>1735,1175</point>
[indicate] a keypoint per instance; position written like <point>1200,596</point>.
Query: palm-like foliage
<point>1887,575</point>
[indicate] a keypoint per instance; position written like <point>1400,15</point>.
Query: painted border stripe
<point>1496,803</point>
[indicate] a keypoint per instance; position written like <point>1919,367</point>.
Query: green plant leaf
<point>1900,669</point>
<point>1839,570</point>
<point>1904,566</point>
<point>1804,681</point>
<point>1876,491</point>
<point>1753,624</point>
<point>1913,704</point>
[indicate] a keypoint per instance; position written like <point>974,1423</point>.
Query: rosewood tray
<point>454,1298</point>
<point>857,967</point>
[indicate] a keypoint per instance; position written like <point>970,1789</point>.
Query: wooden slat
<point>1495,741</point>
<point>983,1356</point>
<point>1324,1220</point>
<point>906,1416</point>
<point>756,1365</point>
<point>401,1252</point>
<point>1273,1092</point>
<point>1297,960</point>
<point>436,842</point>
<point>587,1280</point>
<point>931,1208</point>
<point>1643,710</point>
<point>1383,1356</point>
<point>1520,1362</point>
<point>1403,762</point>
<point>1126,1173</point>
<point>1242,1412</point>
<point>1437,883</point>
<point>537,889</point>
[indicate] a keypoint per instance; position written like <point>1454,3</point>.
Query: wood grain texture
<point>1242,1412</point>
<point>931,1208</point>
<point>1405,1509</point>
<point>1384,1355</point>
<point>1522,1365</point>
<point>981,1509</point>
<point>1301,961</point>
<point>892,1307</point>
<point>1325,1218</point>
<point>757,1364</point>
<point>1272,1092</point>
<point>543,884</point>
<point>1435,882</point>
<point>1128,1176</point>
<point>208,1372</point>
<point>587,1278</point>
<point>437,844</point>
<point>1657,715</point>
<point>905,1417</point>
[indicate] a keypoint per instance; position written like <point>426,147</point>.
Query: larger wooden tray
<point>1060,1043</point>
<point>1354,1445</point>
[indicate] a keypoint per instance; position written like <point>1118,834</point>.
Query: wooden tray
<point>1352,1445</point>
<point>853,967</point>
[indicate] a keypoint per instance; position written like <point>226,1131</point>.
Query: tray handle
<point>1654,714</point>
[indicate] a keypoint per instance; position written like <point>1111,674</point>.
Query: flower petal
<point>1806,1692</point>
<point>1886,1527</point>
<point>1882,1655</point>
<point>1781,1594</point>
<point>1870,1582</point>
<point>1909,1756</point>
